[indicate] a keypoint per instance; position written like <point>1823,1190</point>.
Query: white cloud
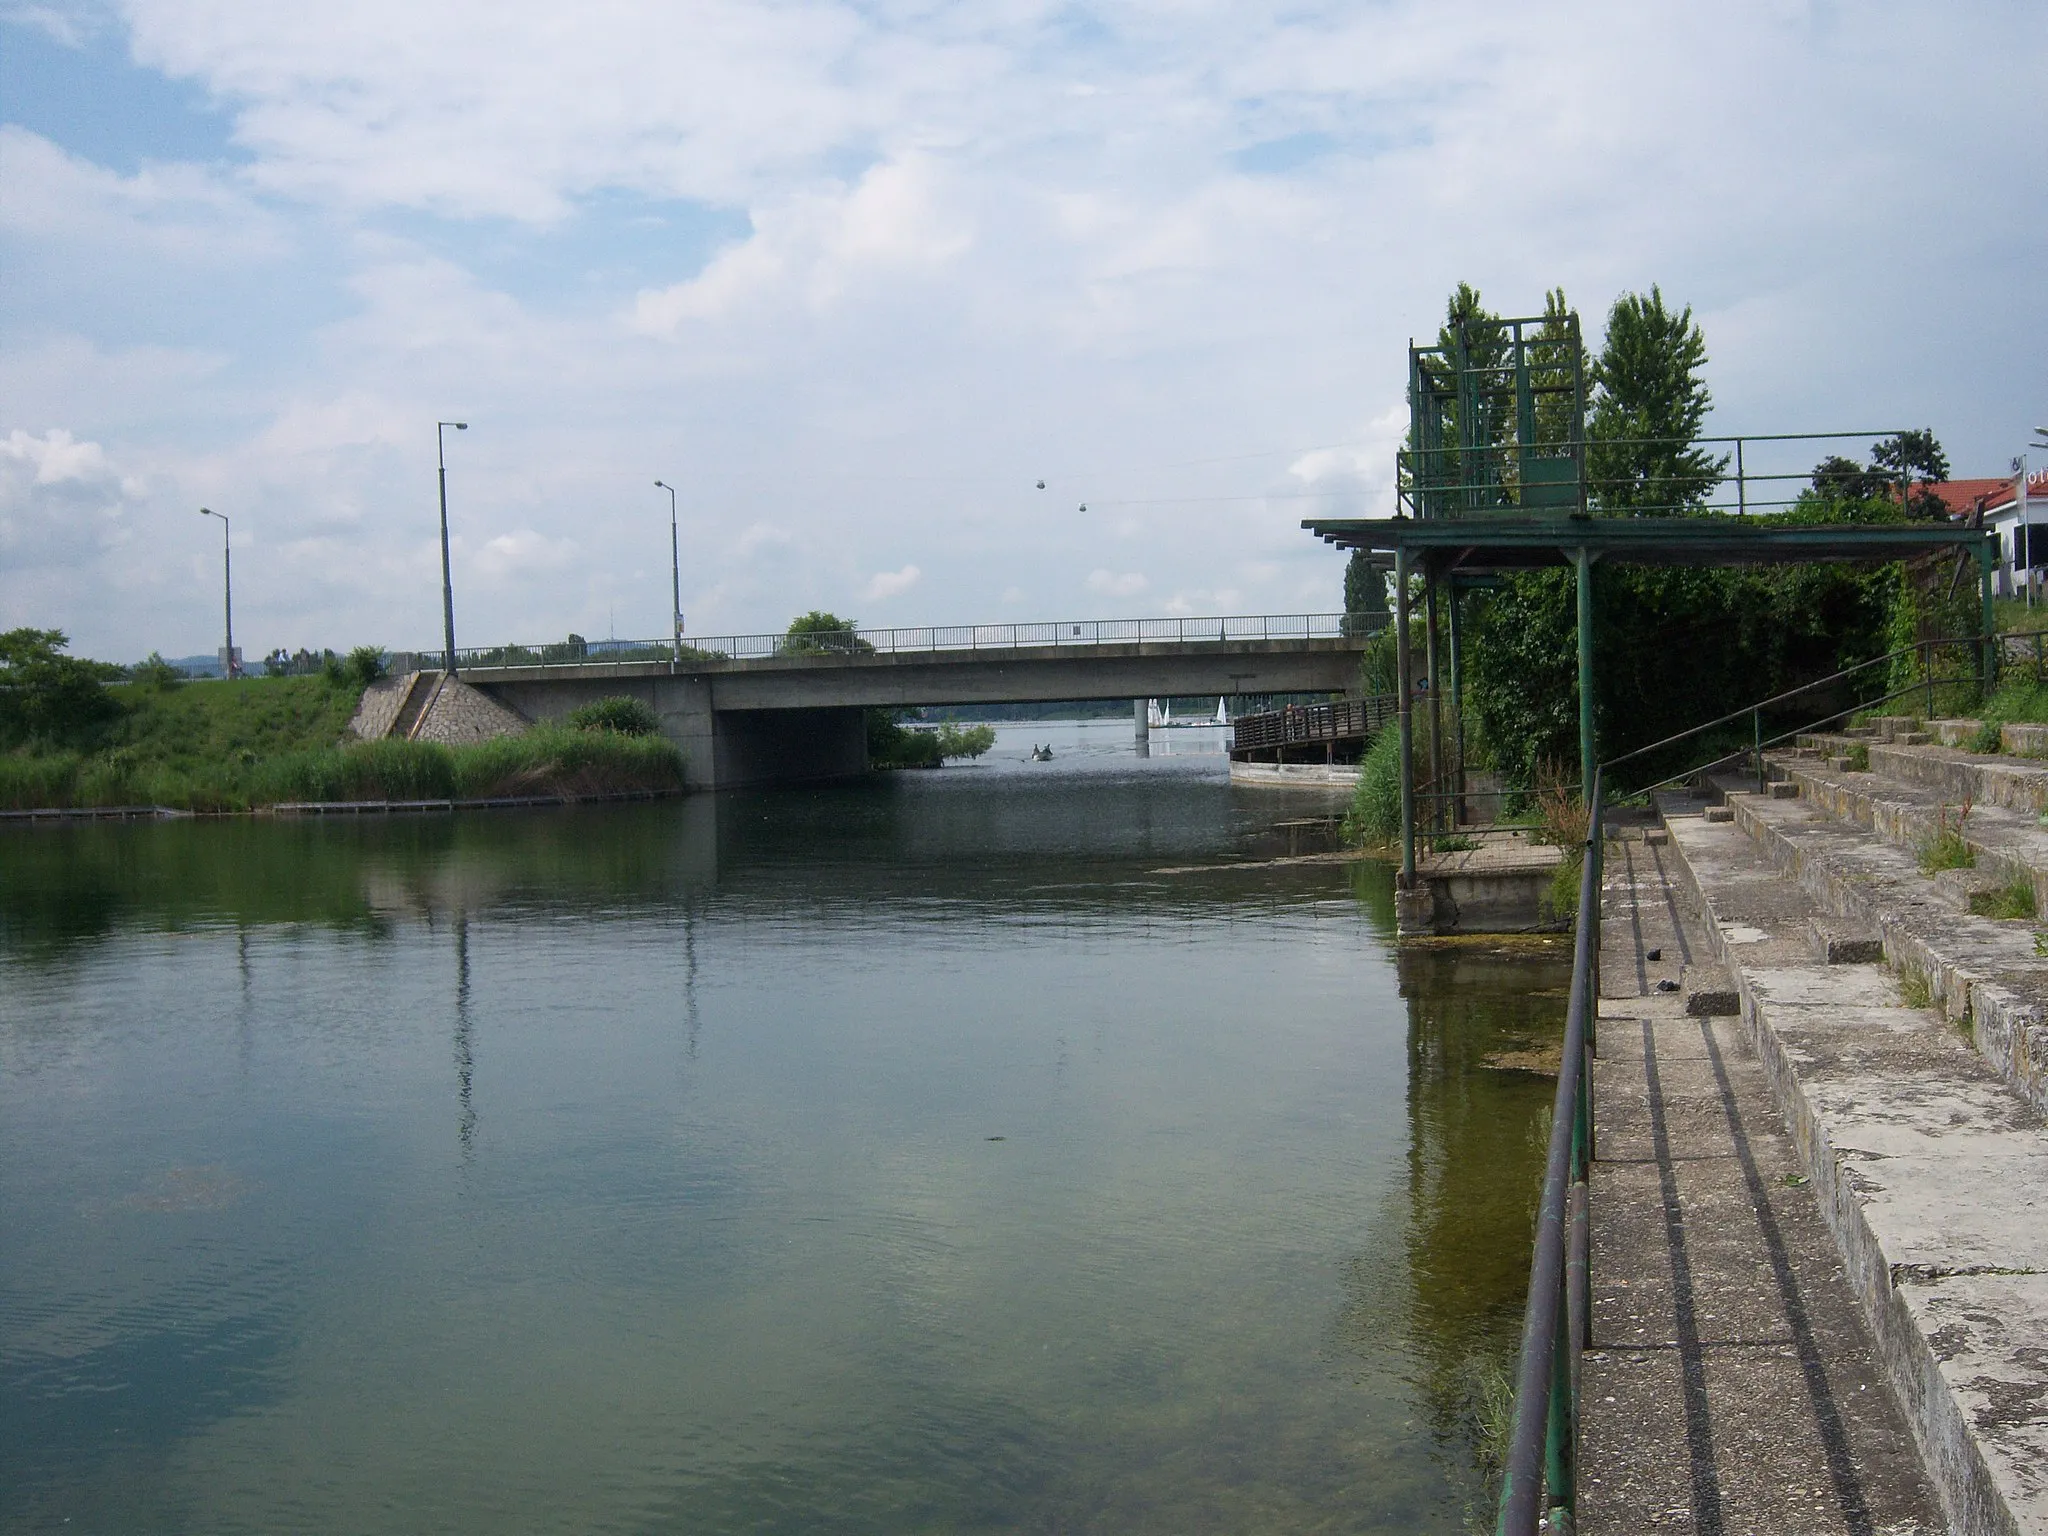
<point>1115,584</point>
<point>983,247</point>
<point>523,552</point>
<point>884,585</point>
<point>182,211</point>
<point>56,457</point>
<point>811,248</point>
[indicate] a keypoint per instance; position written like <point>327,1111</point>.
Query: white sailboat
<point>1222,715</point>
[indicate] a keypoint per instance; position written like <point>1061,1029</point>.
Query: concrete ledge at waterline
<point>1296,775</point>
<point>95,813</point>
<point>421,807</point>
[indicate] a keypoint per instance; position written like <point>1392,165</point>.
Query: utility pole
<point>227,587</point>
<point>447,583</point>
<point>675,572</point>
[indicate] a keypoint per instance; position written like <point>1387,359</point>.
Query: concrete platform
<point>1930,1170</point>
<point>1732,1386</point>
<point>1501,885</point>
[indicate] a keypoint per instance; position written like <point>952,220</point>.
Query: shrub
<point>968,741</point>
<point>1375,816</point>
<point>627,717</point>
<point>1986,738</point>
<point>155,674</point>
<point>46,696</point>
<point>365,664</point>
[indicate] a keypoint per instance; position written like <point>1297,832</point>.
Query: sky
<point>856,278</point>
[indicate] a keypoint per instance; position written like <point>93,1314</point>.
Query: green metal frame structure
<point>1495,479</point>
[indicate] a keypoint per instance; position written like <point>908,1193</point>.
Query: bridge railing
<point>927,639</point>
<point>1339,720</point>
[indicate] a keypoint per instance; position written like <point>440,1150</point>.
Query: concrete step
<point>1932,1173</point>
<point>1730,1384</point>
<point>1986,975</point>
<point>2007,847</point>
<point>419,697</point>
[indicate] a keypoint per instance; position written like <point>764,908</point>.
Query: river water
<point>959,1151</point>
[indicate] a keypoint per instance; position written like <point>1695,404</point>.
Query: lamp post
<point>675,570</point>
<point>227,584</point>
<point>447,584</point>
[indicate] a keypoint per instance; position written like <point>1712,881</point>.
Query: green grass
<point>1913,989</point>
<point>261,741</point>
<point>2008,901</point>
<point>2018,700</point>
<point>1946,848</point>
<point>202,724</point>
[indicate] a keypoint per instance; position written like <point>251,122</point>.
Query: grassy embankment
<point>221,746</point>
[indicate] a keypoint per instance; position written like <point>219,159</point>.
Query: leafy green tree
<point>1915,460</point>
<point>818,633</point>
<point>1365,593</point>
<point>48,698</point>
<point>1649,405</point>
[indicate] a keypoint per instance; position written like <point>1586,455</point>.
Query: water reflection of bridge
<point>776,709</point>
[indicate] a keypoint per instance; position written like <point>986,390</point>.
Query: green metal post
<point>1457,707</point>
<point>1587,755</point>
<point>1756,728</point>
<point>1988,664</point>
<point>1557,1448</point>
<point>1927,666</point>
<point>1434,810</point>
<point>1403,704</point>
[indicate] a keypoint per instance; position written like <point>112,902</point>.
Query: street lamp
<point>675,569</point>
<point>447,584</point>
<point>227,582</point>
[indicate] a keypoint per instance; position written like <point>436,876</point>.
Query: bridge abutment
<point>722,749</point>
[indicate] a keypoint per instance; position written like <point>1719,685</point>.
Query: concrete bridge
<point>761,709</point>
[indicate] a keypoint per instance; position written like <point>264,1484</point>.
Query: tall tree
<point>1649,405</point>
<point>1915,460</point>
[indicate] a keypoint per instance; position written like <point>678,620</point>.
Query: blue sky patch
<point>93,101</point>
<point>615,243</point>
<point>1276,157</point>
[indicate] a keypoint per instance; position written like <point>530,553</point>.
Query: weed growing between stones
<point>1913,989</point>
<point>2015,900</point>
<point>1987,738</point>
<point>1859,757</point>
<point>1947,848</point>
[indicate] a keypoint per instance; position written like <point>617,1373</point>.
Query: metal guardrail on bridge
<point>927,639</point>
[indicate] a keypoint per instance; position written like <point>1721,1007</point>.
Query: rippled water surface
<point>911,1156</point>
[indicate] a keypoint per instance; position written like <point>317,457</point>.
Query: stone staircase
<point>428,705</point>
<point>419,699</point>
<point>1874,904</point>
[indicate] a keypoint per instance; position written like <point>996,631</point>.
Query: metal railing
<point>1454,480</point>
<point>1338,720</point>
<point>928,639</point>
<point>1540,1485</point>
<point>1923,687</point>
<point>1541,1477</point>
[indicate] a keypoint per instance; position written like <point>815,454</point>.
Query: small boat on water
<point>1041,754</point>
